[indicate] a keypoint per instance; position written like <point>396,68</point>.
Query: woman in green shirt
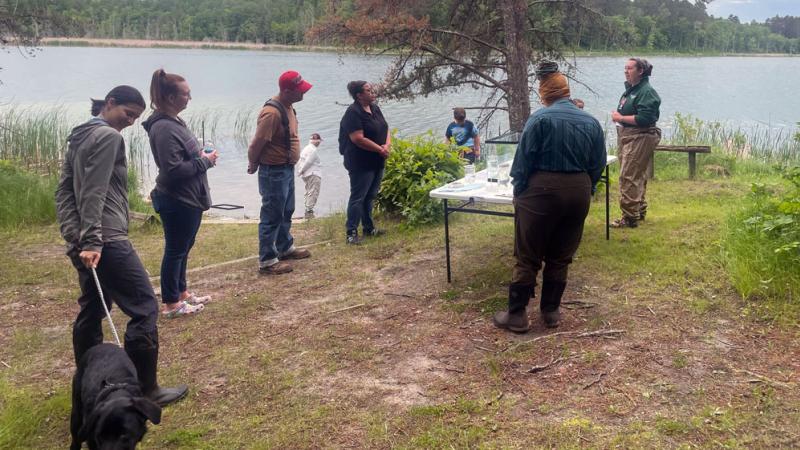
<point>637,137</point>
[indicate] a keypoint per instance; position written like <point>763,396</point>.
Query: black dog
<point>109,410</point>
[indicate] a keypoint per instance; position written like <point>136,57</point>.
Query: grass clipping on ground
<point>369,347</point>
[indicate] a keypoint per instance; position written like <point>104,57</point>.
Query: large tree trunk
<point>515,13</point>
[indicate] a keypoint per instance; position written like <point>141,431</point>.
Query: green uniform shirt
<point>642,102</point>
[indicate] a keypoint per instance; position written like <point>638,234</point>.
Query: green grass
<point>314,386</point>
<point>25,198</point>
<point>28,417</point>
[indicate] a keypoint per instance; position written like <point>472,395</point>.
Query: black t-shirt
<point>375,129</point>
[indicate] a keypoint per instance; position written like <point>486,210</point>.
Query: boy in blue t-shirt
<point>464,134</point>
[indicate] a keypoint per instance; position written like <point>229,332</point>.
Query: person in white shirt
<point>309,169</point>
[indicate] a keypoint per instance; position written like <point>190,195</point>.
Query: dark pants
<point>124,280</point>
<point>548,225</point>
<point>276,186</point>
<point>364,186</point>
<point>181,224</point>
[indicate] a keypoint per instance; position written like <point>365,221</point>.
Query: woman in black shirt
<point>364,141</point>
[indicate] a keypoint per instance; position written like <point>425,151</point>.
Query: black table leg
<point>608,194</point>
<point>447,238</point>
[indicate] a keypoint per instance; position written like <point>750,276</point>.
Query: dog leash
<point>105,308</point>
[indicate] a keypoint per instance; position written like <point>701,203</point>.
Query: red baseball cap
<point>292,81</point>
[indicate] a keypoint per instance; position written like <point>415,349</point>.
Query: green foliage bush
<point>762,245</point>
<point>414,168</point>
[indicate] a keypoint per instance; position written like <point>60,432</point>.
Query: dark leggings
<point>181,224</point>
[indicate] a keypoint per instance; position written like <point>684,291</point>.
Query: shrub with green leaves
<point>762,244</point>
<point>415,167</point>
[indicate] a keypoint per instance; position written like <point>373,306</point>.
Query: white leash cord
<point>105,308</point>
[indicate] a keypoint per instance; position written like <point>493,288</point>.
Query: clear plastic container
<point>469,173</point>
<point>491,168</point>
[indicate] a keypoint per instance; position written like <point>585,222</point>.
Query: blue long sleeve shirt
<point>559,138</point>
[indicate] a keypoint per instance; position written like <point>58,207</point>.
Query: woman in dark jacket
<point>181,193</point>
<point>365,142</point>
<point>637,138</point>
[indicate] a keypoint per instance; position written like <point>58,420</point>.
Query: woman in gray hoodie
<point>181,193</point>
<point>92,210</point>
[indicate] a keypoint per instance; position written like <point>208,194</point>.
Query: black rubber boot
<point>551,300</point>
<point>143,351</point>
<point>515,319</point>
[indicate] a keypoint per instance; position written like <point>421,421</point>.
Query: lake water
<point>741,91</point>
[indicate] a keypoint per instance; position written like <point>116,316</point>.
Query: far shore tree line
<point>617,25</point>
<point>440,45</point>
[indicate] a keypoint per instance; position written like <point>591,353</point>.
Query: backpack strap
<point>287,142</point>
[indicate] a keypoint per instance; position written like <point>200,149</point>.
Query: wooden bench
<point>691,150</point>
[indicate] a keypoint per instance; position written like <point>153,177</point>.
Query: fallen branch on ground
<point>347,309</point>
<point>763,379</point>
<point>234,261</point>
<point>609,333</point>
<point>578,304</point>
<point>543,367</point>
<point>398,295</point>
<point>592,383</point>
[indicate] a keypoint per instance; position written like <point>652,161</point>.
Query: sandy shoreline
<point>151,43</point>
<point>215,45</point>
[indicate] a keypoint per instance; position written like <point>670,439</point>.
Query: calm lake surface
<point>226,85</point>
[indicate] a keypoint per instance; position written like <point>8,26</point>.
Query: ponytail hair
<point>162,86</point>
<point>122,95</point>
<point>643,65</point>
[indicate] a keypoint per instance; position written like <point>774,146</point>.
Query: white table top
<point>481,191</point>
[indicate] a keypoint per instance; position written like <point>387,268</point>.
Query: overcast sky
<point>758,10</point>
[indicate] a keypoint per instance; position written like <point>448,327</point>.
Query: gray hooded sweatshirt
<point>181,169</point>
<point>92,194</point>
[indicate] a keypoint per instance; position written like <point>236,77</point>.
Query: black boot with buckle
<point>551,300</point>
<point>515,319</point>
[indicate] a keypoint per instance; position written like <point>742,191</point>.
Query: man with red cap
<point>273,152</point>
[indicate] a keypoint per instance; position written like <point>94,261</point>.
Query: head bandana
<point>553,85</point>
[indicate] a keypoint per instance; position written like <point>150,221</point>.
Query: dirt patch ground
<point>370,348</point>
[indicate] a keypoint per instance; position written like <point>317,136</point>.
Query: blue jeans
<point>276,186</point>
<point>181,223</point>
<point>364,185</point>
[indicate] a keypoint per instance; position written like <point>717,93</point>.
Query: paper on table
<point>457,187</point>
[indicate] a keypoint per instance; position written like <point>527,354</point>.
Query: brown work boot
<point>551,318</point>
<point>517,322</point>
<point>624,222</point>
<point>297,253</point>
<point>516,318</point>
<point>276,269</point>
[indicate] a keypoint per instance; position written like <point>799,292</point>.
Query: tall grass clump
<point>761,143</point>
<point>761,248</point>
<point>26,198</point>
<point>34,138</point>
<point>414,168</point>
<point>243,126</point>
